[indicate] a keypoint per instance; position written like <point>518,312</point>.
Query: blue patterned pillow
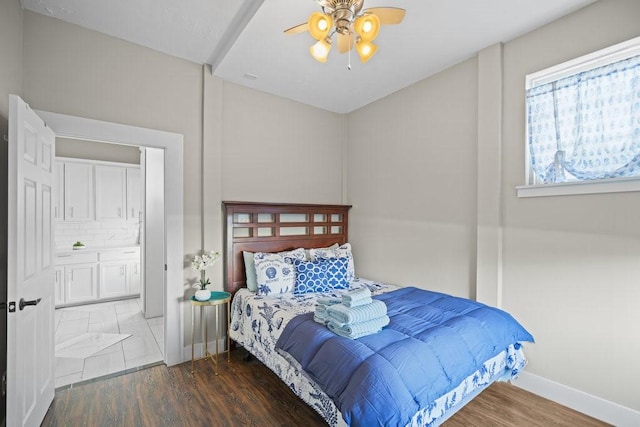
<point>337,273</point>
<point>275,271</point>
<point>311,276</point>
<point>343,251</point>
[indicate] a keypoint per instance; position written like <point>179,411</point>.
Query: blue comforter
<point>433,342</point>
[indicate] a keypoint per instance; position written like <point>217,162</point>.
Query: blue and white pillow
<point>311,276</point>
<point>343,251</point>
<point>317,250</point>
<point>275,273</point>
<point>337,269</point>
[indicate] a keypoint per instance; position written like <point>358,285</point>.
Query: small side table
<point>216,300</point>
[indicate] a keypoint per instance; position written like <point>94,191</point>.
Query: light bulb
<point>365,49</point>
<point>319,25</point>
<point>367,26</point>
<point>321,49</point>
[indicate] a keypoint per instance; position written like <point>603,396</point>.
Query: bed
<point>262,324</point>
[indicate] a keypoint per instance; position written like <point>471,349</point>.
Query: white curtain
<point>586,126</point>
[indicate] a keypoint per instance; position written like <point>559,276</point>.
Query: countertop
<point>66,251</point>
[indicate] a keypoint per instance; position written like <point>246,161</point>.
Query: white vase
<point>203,295</point>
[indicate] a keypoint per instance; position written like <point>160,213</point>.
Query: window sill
<point>580,187</point>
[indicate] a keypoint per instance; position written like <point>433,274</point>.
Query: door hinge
<point>165,267</point>
<point>4,384</point>
<point>12,307</point>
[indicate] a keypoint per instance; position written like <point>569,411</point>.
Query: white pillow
<point>308,251</point>
<point>343,251</point>
<point>275,273</point>
<point>250,271</point>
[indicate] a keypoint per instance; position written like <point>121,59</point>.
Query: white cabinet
<point>81,283</point>
<point>97,191</point>
<point>58,293</point>
<point>84,276</point>
<point>111,190</point>
<point>119,272</point>
<point>76,278</point>
<point>134,277</point>
<point>58,206</point>
<point>78,192</point>
<point>113,279</point>
<point>134,194</point>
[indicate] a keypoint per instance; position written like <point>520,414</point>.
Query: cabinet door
<point>133,276</point>
<point>58,293</point>
<point>133,194</point>
<point>81,283</point>
<point>58,201</point>
<point>113,279</point>
<point>110,192</point>
<point>78,192</point>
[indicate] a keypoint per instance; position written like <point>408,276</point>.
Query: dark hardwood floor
<point>249,394</point>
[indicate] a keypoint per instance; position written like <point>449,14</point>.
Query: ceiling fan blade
<point>345,42</point>
<point>387,15</point>
<point>297,29</point>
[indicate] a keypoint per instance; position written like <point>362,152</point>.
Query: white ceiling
<point>245,37</point>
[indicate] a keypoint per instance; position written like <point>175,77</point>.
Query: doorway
<point>172,273</point>
<point>109,313</point>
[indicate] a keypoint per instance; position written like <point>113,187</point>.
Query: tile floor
<point>143,347</point>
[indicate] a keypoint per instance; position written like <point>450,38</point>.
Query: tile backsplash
<point>97,234</point>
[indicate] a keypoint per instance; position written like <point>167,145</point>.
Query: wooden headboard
<point>275,227</point>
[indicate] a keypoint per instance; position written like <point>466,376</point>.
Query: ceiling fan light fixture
<point>353,27</point>
<point>367,26</point>
<point>321,49</point>
<point>320,25</point>
<point>365,50</point>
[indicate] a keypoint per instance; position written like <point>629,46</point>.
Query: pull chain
<point>349,64</point>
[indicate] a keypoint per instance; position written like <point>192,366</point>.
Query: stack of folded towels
<point>355,315</point>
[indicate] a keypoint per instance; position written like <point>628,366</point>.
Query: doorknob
<point>22,304</point>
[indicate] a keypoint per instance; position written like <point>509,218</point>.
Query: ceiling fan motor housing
<point>343,13</point>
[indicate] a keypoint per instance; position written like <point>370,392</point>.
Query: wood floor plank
<point>249,394</point>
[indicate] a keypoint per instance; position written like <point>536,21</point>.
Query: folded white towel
<point>360,329</point>
<point>356,297</point>
<point>329,300</point>
<point>320,318</point>
<point>343,315</point>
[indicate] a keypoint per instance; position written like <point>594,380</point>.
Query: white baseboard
<point>198,349</point>
<point>580,401</point>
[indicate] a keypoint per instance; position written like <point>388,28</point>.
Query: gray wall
<point>411,181</point>
<point>70,70</point>
<point>80,149</point>
<point>569,265</point>
<point>241,146</point>
<point>572,263</point>
<point>10,52</point>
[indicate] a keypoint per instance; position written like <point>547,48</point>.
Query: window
<point>583,124</point>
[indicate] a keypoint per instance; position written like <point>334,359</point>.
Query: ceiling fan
<point>353,26</point>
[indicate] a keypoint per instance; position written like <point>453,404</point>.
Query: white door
<point>30,346</point>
